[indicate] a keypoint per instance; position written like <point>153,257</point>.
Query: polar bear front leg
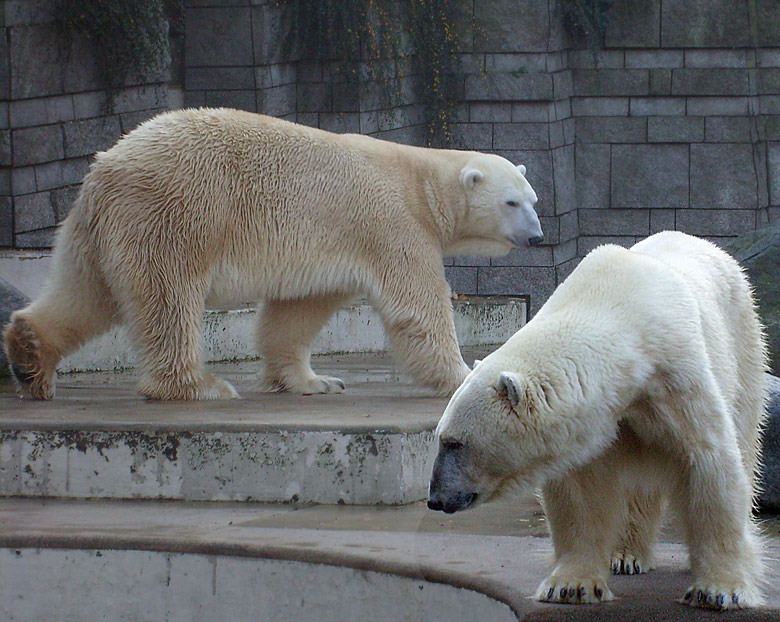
<point>634,552</point>
<point>285,332</point>
<point>581,512</point>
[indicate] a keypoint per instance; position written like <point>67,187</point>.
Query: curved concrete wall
<point>89,585</point>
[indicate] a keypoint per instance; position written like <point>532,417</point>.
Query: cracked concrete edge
<point>525,609</point>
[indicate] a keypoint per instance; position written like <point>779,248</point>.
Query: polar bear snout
<point>450,490</point>
<point>536,240</point>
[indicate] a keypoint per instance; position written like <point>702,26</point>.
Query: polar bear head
<point>504,429</point>
<point>500,208</point>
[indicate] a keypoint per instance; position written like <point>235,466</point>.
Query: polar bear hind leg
<point>73,307</point>
<point>166,330</point>
<point>285,333</point>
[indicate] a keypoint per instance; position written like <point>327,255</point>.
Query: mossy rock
<point>11,299</point>
<point>759,253</point>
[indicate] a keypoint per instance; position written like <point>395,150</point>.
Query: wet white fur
<point>219,207</point>
<point>640,382</point>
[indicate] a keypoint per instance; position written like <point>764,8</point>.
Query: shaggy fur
<point>219,206</point>
<point>639,383</point>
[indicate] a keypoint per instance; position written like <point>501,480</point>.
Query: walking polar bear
<point>218,206</point>
<point>639,382</point>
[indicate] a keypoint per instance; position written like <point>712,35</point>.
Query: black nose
<point>438,506</point>
<point>535,240</point>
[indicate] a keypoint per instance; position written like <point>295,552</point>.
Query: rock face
<point>11,299</point>
<point>759,253</point>
<point>769,495</point>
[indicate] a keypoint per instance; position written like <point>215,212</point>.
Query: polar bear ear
<point>470,176</point>
<point>509,387</point>
<point>521,168</point>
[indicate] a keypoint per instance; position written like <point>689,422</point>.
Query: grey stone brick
<point>768,58</point>
<point>564,177</point>
<point>37,144</point>
<point>131,120</point>
<point>87,137</point>
<point>534,256</point>
<point>89,105</point>
<point>768,14</point>
<point>470,260</point>
<point>600,106</point>
<point>341,122</point>
<point>614,221</point>
<point>661,220</point>
<point>563,85</point>
<point>5,147</point>
<point>194,99</point>
<point>5,70</point>
<point>654,59</point>
<point>369,123</point>
<point>29,12</point>
<point>277,101</point>
<point>660,82</point>
<point>769,104</point>
<point>472,136</point>
<point>769,127</point>
<point>596,59</point>
<point>62,201</point>
<point>5,181</point>
<point>705,23</point>
<point>33,211</point>
<point>471,63</point>
<point>530,111</point>
<point>562,109</point>
<point>611,130</point>
<point>35,62</point>
<point>507,63</point>
<point>592,167</point>
<point>615,82</point>
<point>555,133</point>
<point>283,73</point>
<point>568,226</point>
<point>397,118</point>
<point>649,176</point>
<point>23,180</point>
<point>43,238</point>
<point>727,129</point>
<point>218,37</point>
<point>715,222</point>
<point>6,220</point>
<point>768,80</point>
<point>538,282</point>
<point>273,33</point>
<point>240,100</point>
<point>4,124</point>
<point>497,26</point>
<point>79,69</point>
<point>588,243</point>
<point>565,251</point>
<point>521,136</point>
<point>462,280</point>
<point>404,135</point>
<point>657,106</point>
<point>219,78</point>
<point>634,24</point>
<point>556,61</point>
<point>49,176</point>
<point>675,129</point>
<point>309,72</point>
<point>41,111</point>
<point>551,228</point>
<point>709,82</point>
<point>737,59</point>
<point>569,127</point>
<point>773,162</point>
<point>493,113</point>
<point>563,270</point>
<point>312,119</point>
<point>346,98</point>
<point>723,176</point>
<point>717,106</point>
<point>145,97</point>
<point>74,169</point>
<point>509,87</point>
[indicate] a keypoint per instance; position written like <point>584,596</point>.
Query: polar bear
<point>639,382</point>
<point>218,207</point>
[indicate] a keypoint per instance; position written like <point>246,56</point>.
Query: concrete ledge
<point>197,547</point>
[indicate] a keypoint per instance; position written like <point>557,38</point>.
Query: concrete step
<point>99,439</point>
<point>102,560</point>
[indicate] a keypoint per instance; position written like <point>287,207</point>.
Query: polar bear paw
<point>624,562</point>
<point>320,384</point>
<point>720,597</point>
<point>573,589</point>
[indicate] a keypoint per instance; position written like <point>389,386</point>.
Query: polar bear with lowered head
<point>640,381</point>
<point>219,207</point>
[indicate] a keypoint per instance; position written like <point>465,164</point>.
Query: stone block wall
<point>673,124</point>
<point>53,118</point>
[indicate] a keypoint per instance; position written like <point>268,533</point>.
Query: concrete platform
<point>135,560</point>
<point>99,439</point>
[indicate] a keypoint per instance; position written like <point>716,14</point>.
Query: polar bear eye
<point>451,444</point>
<point>512,203</point>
